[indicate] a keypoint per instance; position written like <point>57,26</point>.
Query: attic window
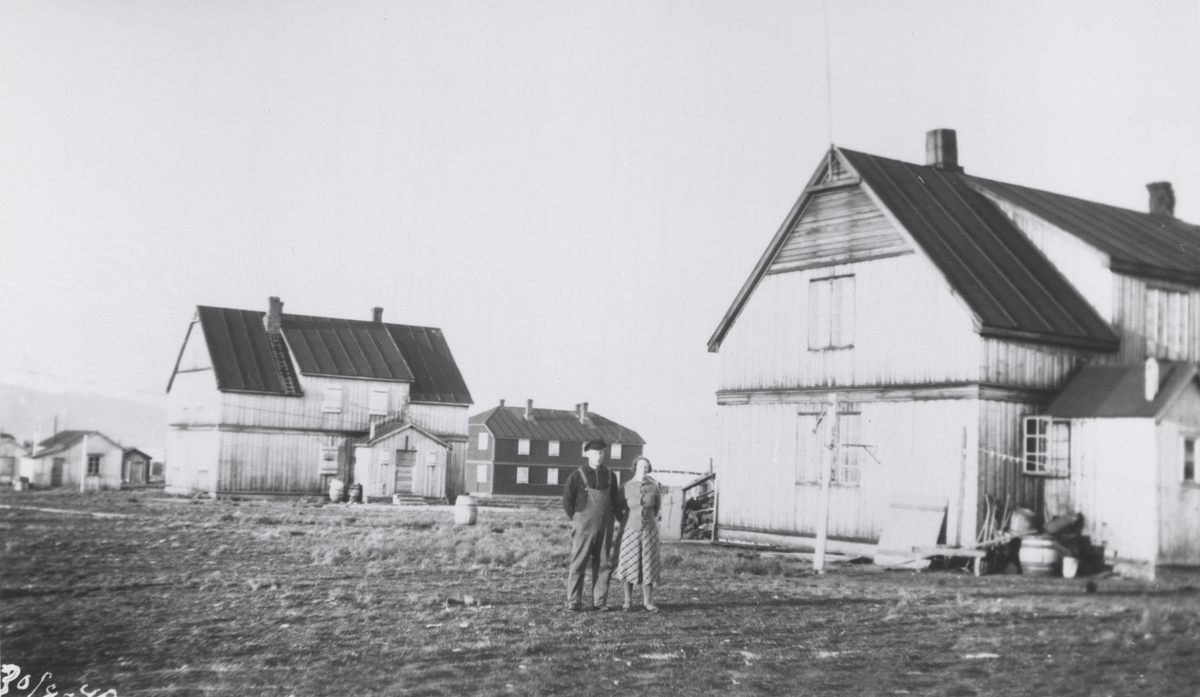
<point>1047,447</point>
<point>333,400</point>
<point>379,402</point>
<point>831,313</point>
<point>1168,324</point>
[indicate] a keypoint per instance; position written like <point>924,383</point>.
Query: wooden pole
<point>826,473</point>
<point>962,491</point>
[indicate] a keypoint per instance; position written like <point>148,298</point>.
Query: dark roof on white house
<point>65,440</point>
<point>554,424</point>
<point>1012,289</point>
<point>1118,391</point>
<point>246,360</point>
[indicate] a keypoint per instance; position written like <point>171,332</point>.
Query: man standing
<point>593,500</point>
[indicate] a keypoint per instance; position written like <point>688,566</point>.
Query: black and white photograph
<point>601,347</point>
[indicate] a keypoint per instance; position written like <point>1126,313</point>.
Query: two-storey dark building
<point>531,452</point>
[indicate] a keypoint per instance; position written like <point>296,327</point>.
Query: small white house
<point>1119,446</point>
<point>86,460</point>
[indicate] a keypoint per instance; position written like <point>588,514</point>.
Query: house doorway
<point>56,471</point>
<point>404,470</point>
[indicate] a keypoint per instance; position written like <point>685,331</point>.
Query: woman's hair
<point>649,467</point>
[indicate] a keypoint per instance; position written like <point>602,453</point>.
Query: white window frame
<point>614,451</point>
<point>522,475</point>
<point>1168,323</point>
<point>831,313</point>
<point>483,440</point>
<point>810,459</point>
<point>481,474</point>
<point>1045,447</point>
<point>523,446</point>
<point>379,402</point>
<point>332,403</point>
<point>552,476</point>
<point>96,458</point>
<point>553,448</point>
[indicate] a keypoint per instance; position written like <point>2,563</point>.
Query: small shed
<point>402,458</point>
<point>135,468</point>
<point>11,454</point>
<point>1119,446</point>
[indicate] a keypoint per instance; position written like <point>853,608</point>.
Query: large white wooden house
<point>944,310</point>
<point>271,403</point>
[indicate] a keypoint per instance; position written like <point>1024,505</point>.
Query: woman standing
<point>638,562</point>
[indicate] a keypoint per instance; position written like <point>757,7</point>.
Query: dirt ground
<point>184,597</point>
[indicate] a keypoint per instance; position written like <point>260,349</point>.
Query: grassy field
<point>172,596</point>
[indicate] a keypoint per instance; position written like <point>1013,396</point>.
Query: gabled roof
<point>245,359</point>
<point>135,451</point>
<point>1138,244</point>
<point>397,427</point>
<point>1009,286</point>
<point>1118,391</point>
<point>65,440</point>
<point>554,424</point>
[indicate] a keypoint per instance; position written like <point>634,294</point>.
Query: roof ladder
<point>283,364</point>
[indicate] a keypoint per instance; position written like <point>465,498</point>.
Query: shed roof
<point>554,424</point>
<point>1012,289</point>
<point>1118,391</point>
<point>1139,244</point>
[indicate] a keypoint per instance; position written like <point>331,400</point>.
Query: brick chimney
<point>274,315</point>
<point>941,149</point>
<point>502,403</point>
<point>529,410</point>
<point>1162,199</point>
<point>377,314</point>
<point>584,417</point>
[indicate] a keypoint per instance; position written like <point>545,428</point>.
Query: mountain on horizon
<point>29,414</point>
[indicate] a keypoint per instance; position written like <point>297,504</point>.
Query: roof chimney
<point>377,314</point>
<point>1151,379</point>
<point>502,402</point>
<point>274,315</point>
<point>529,410</point>
<point>584,418</point>
<point>941,150</point>
<point>1162,199</point>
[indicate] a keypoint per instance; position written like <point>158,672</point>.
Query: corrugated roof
<point>344,348</point>
<point>436,377</point>
<point>1137,243</point>
<point>1009,284</point>
<point>1116,391</point>
<point>240,351</point>
<point>554,424</point>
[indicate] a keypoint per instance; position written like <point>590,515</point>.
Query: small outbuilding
<point>87,460</point>
<point>135,468</point>
<point>1119,446</point>
<point>402,458</point>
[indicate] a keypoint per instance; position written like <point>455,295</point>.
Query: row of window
<point>481,475</point>
<point>554,449</point>
<point>1047,449</point>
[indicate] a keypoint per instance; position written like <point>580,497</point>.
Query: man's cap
<point>595,444</point>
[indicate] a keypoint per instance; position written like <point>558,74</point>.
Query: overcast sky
<point>573,191</point>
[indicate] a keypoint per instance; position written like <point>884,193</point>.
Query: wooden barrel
<point>1039,556</point>
<point>465,510</point>
<point>1070,567</point>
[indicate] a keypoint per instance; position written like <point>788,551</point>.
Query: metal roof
<point>243,358</point>
<point>554,424</point>
<point>1013,289</point>
<point>345,348</point>
<point>1138,244</point>
<point>1116,391</point>
<point>240,351</point>
<point>436,377</point>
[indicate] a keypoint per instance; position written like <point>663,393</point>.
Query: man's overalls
<point>591,542</point>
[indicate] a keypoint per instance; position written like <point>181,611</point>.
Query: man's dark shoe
<point>574,607</point>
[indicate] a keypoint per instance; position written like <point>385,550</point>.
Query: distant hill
<point>24,411</point>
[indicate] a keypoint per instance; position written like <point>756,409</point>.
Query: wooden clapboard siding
<point>836,227</point>
<point>909,329</point>
<point>1000,425</point>
<point>1178,502</point>
<point>1130,319</point>
<point>192,458</point>
<point>918,444</point>
<point>273,462</point>
<point>307,412</point>
<point>1019,364</point>
<point>440,419</point>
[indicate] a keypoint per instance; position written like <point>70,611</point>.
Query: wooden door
<point>404,470</point>
<point>56,471</point>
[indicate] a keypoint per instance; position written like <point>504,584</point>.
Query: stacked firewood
<point>698,517</point>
